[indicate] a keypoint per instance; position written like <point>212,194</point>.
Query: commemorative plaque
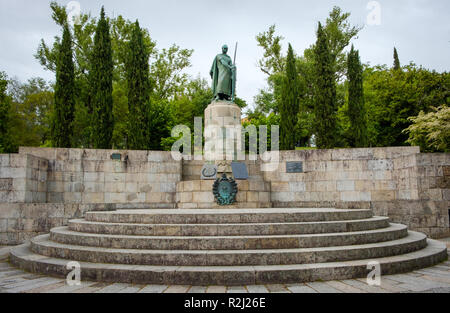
<point>294,167</point>
<point>240,171</point>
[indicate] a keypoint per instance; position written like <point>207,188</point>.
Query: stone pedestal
<point>222,118</point>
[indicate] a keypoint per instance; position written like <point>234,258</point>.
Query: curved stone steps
<point>66,236</point>
<point>228,229</point>
<point>431,255</point>
<point>43,246</point>
<point>223,216</point>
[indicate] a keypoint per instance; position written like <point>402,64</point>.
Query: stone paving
<point>430,280</point>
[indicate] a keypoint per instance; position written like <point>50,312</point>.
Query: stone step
<point>43,246</point>
<point>227,216</point>
<point>66,236</point>
<point>228,229</point>
<point>431,255</point>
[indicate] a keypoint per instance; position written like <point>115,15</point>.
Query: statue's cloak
<point>222,76</point>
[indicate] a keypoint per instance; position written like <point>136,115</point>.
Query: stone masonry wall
<point>44,188</point>
<point>91,176</point>
<point>401,183</point>
<point>23,179</point>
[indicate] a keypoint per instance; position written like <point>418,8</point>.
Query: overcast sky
<point>420,30</point>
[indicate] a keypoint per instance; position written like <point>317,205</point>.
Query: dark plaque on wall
<point>294,167</point>
<point>209,172</point>
<point>240,171</point>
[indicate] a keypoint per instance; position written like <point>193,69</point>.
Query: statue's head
<point>225,49</point>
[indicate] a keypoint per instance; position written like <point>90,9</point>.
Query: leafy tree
<point>356,108</point>
<point>325,107</point>
<point>289,107</point>
<point>137,72</point>
<point>392,97</point>
<point>431,131</point>
<point>396,60</point>
<point>62,121</point>
<point>100,79</point>
<point>5,106</point>
<point>160,124</point>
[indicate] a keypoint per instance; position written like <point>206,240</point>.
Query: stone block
<point>385,185</point>
<point>95,177</point>
<point>297,187</point>
<point>383,195</point>
<point>55,197</point>
<point>280,186</point>
<point>93,197</point>
<point>4,160</point>
<point>446,194</point>
<point>380,165</point>
<point>114,197</point>
<point>203,197</point>
<point>72,197</point>
<point>116,187</point>
<point>13,172</point>
<point>283,196</point>
<point>252,196</point>
<point>345,185</point>
<point>115,177</point>
<point>354,196</point>
<point>264,197</point>
<point>18,161</point>
<point>6,184</point>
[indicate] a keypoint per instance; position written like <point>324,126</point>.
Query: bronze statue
<point>223,74</point>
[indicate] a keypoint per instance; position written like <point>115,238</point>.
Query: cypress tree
<point>396,60</point>
<point>5,106</point>
<point>325,102</point>
<point>62,120</point>
<point>290,103</point>
<point>137,73</point>
<point>100,79</point>
<point>356,106</point>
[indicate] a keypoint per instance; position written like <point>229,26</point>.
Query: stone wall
<point>44,188</point>
<point>401,183</point>
<point>23,179</point>
<point>91,176</point>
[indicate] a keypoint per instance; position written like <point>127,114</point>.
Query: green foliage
<point>31,109</point>
<point>392,97</point>
<point>289,106</point>
<point>100,80</point>
<point>396,60</point>
<point>137,73</point>
<point>62,121</point>
<point>325,106</point>
<point>5,107</point>
<point>160,124</point>
<point>431,131</point>
<point>356,107</point>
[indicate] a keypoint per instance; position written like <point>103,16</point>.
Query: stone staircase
<point>228,246</point>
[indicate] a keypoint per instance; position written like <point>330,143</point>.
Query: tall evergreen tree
<point>62,120</point>
<point>100,79</point>
<point>137,73</point>
<point>5,106</point>
<point>396,60</point>
<point>356,107</point>
<point>325,103</point>
<point>290,103</point>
